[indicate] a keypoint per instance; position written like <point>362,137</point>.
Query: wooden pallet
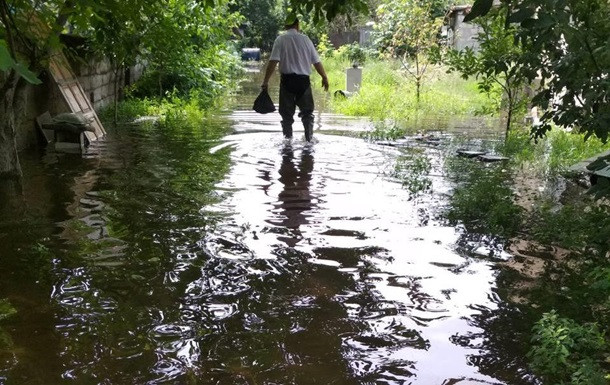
<point>66,80</point>
<point>74,94</point>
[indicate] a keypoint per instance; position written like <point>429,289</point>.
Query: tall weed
<point>551,155</point>
<point>483,199</point>
<point>386,94</point>
<point>174,111</point>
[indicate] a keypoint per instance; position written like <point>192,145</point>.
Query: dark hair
<point>293,24</point>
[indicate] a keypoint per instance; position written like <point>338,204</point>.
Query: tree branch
<point>8,26</point>
<point>405,66</point>
<point>590,51</point>
<point>24,41</point>
<point>63,14</point>
<point>424,69</point>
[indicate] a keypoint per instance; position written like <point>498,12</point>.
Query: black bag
<point>263,103</point>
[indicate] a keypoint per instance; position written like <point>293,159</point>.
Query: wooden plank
<point>68,83</point>
<point>71,99</point>
<point>76,91</point>
<point>74,94</point>
<point>491,158</point>
<point>470,153</point>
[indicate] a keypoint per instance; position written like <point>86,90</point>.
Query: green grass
<point>552,155</point>
<point>173,112</point>
<point>387,94</point>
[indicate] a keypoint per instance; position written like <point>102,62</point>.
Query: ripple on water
<point>304,263</point>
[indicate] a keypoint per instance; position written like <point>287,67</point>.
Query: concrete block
<point>353,79</point>
<point>109,90</point>
<point>85,82</point>
<point>96,82</point>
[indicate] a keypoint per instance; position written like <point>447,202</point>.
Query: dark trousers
<point>295,90</point>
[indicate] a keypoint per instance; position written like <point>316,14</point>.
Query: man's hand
<point>268,73</point>
<point>320,69</point>
<point>325,83</point>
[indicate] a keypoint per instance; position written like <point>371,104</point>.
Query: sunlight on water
<point>168,257</point>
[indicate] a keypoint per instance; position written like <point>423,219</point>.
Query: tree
<point>408,31</point>
<point>168,32</point>
<point>185,46</point>
<point>118,34</point>
<point>29,33</point>
<point>19,43</point>
<point>566,45</point>
<point>262,22</point>
<point>328,9</point>
<point>495,63</point>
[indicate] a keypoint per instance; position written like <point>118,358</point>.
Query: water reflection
<point>179,258</point>
<point>295,199</point>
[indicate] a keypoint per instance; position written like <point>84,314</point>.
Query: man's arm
<point>320,69</point>
<point>268,72</point>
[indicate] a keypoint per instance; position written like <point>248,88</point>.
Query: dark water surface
<point>168,256</point>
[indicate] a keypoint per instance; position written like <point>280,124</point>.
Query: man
<point>295,54</point>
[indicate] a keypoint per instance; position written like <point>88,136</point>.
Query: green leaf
<point>28,75</point>
<point>362,7</point>
<point>479,8</point>
<point>6,309</point>
<point>542,22</point>
<point>521,15</point>
<point>6,61</point>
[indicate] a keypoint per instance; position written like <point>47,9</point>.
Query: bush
<point>565,352</point>
<point>483,199</point>
<point>355,53</point>
<point>205,79</point>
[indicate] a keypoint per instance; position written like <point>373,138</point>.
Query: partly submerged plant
<point>565,352</point>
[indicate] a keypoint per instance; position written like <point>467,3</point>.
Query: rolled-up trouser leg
<point>306,107</point>
<point>287,108</point>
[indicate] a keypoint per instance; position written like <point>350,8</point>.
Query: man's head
<point>292,21</point>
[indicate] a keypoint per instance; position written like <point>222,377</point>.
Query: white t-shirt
<point>295,52</point>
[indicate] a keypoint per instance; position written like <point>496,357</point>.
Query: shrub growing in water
<point>565,352</point>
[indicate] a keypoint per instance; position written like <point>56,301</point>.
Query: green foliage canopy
<point>496,62</point>
<point>407,30</point>
<point>566,46</point>
<point>324,9</point>
<point>262,22</point>
<point>165,31</point>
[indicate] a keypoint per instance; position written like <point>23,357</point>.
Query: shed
<point>459,34</point>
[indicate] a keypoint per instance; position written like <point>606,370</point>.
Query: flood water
<point>175,257</point>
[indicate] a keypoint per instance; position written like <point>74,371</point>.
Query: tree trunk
<point>116,95</point>
<point>160,86</point>
<point>509,114</point>
<point>418,77</point>
<point>9,159</point>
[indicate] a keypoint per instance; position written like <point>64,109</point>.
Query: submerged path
<point>172,258</point>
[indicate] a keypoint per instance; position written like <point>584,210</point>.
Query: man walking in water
<point>295,53</point>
